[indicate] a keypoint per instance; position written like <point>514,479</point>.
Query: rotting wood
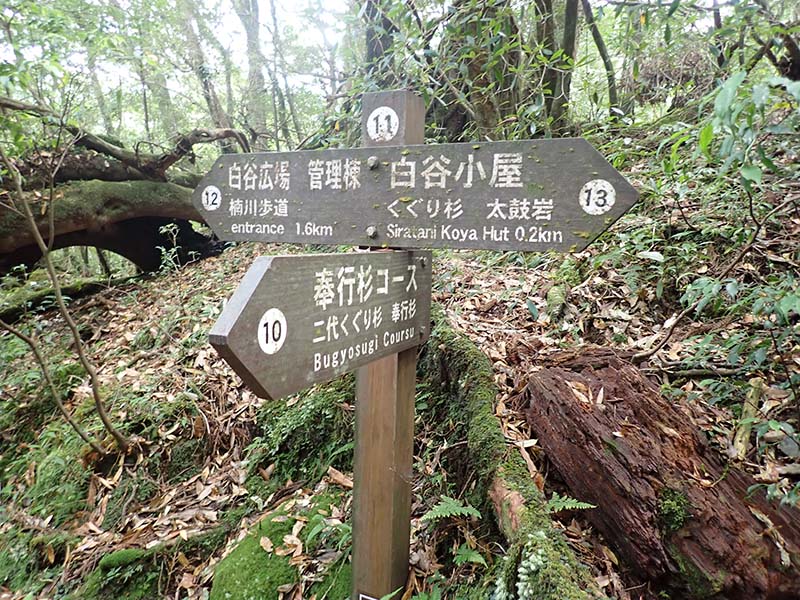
<point>667,502</point>
<point>461,374</point>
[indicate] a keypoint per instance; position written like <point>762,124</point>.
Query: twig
<point>34,346</point>
<point>747,247</point>
<point>695,372</point>
<point>122,442</point>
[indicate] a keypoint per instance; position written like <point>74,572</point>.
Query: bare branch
<point>150,166</point>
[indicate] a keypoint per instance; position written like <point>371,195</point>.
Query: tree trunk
<point>256,117</point>
<point>88,214</point>
<point>286,98</point>
<point>613,97</point>
<point>669,505</point>
<point>546,36</point>
<point>461,378</point>
<point>200,67</point>
<point>100,98</point>
<point>167,116</point>
<point>558,112</point>
<point>379,37</point>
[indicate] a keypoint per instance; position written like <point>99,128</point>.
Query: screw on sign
<point>298,320</point>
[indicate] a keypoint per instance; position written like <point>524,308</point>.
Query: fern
<point>465,554</point>
<point>558,503</point>
<point>450,507</point>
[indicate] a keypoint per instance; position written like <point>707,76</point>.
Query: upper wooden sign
<point>531,195</point>
<point>298,320</point>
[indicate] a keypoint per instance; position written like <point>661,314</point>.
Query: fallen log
<point>123,217</point>
<point>667,501</point>
<point>537,557</point>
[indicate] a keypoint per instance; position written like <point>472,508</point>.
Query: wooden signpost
<point>297,320</point>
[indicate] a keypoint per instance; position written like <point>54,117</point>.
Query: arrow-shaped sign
<point>529,195</point>
<point>298,320</point>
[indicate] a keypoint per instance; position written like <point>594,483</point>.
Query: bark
<point>256,116</point>
<point>461,378</point>
<point>483,87</point>
<point>202,70</point>
<point>167,116</point>
<point>121,217</point>
<point>99,96</point>
<point>666,501</point>
<point>546,37</point>
<point>613,97</point>
<point>285,94</point>
<point>145,103</point>
<point>379,38</point>
<point>558,110</point>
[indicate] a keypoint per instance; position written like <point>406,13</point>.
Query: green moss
<point>17,558</point>
<point>61,485</point>
<point>129,493</point>
<point>186,458</point>
<point>251,573</point>
<point>130,573</point>
<point>337,583</point>
<point>121,558</point>
<point>674,509</point>
<point>309,436</point>
<point>697,583</point>
<point>136,574</point>
<point>459,374</point>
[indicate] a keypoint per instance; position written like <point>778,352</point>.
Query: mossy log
<point>539,564</point>
<point>123,217</point>
<point>667,502</point>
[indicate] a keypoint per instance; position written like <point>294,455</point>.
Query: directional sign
<point>529,195</point>
<point>298,320</point>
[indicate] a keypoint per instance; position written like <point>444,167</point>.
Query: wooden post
<point>384,439</point>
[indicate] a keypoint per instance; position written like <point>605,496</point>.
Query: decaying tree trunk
<point>461,374</point>
<point>665,499</point>
<point>125,218</point>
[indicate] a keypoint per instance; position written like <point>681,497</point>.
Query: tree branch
<point>150,166</point>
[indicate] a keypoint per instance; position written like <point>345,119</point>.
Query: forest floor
<point>214,461</point>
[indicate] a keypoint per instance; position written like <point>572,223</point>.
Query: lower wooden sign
<point>303,319</point>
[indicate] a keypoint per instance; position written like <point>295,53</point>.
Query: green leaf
<point>766,160</point>
<point>751,173</point>
<point>673,7</point>
<point>727,93</point>
<point>464,554</point>
<point>651,255</point>
<point>706,136</point>
<point>760,94</point>
<point>558,503</point>
<point>759,356</point>
<point>667,33</point>
<point>533,309</point>
<point>450,507</point>
<point>732,288</point>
